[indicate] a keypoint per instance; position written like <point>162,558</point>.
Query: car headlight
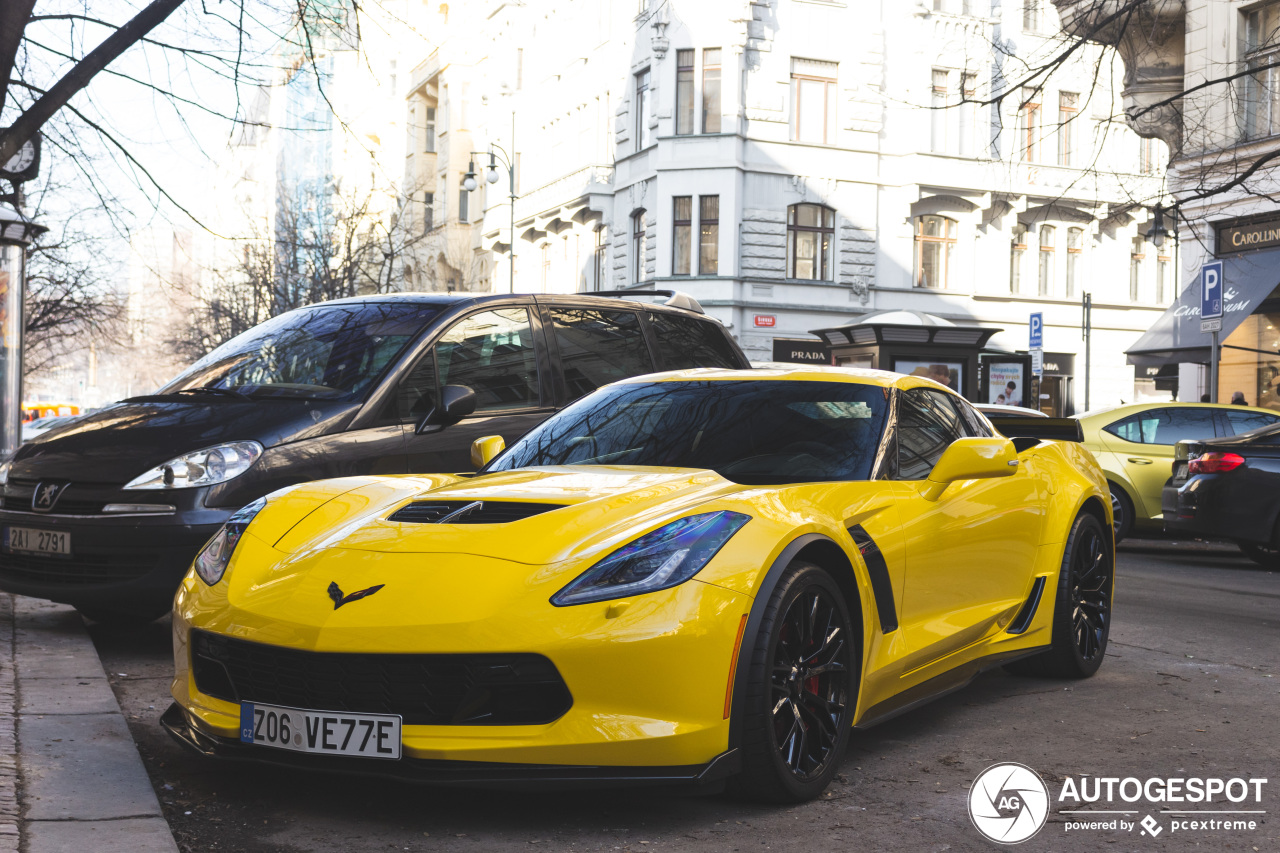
<point>4,472</point>
<point>212,560</point>
<point>667,557</point>
<point>205,467</point>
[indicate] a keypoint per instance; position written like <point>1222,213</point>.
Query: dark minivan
<point>106,513</point>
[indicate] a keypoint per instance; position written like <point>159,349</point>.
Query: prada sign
<point>801,352</point>
<point>1244,236</point>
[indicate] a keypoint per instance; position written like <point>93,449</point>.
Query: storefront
<point>1249,343</point>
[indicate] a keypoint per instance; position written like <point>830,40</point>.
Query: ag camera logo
<point>1008,803</point>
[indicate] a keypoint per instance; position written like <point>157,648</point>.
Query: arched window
<point>811,242</point>
<point>1017,249</point>
<point>1047,250</point>
<point>1075,248</point>
<point>638,245</point>
<point>935,237</point>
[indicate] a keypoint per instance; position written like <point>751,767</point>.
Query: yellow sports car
<point>1134,447</point>
<point>704,576</point>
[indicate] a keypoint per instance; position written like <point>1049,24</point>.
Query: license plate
<point>323,732</point>
<point>33,540</point>
<point>1180,473</point>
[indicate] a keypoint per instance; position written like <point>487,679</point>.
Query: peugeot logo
<point>46,496</point>
<point>335,592</point>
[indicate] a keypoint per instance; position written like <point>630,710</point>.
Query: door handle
<point>1139,461</point>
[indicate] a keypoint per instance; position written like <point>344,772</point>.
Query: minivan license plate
<point>324,732</point>
<point>32,540</point>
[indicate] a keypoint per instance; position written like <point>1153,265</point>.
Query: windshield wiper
<point>209,389</point>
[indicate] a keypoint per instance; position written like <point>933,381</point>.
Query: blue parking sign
<point>1037,331</point>
<point>1211,290</point>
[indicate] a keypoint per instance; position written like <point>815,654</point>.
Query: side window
<point>492,353</point>
<point>415,397</point>
<point>1164,426</point>
<point>1245,421</point>
<point>599,347</point>
<point>927,424</point>
<point>685,342</point>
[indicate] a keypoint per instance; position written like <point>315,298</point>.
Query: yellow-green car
<point>1134,447</point>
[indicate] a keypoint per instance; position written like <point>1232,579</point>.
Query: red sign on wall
<point>766,320</point>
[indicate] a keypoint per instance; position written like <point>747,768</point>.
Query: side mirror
<point>971,459</point>
<point>456,402</point>
<point>485,449</point>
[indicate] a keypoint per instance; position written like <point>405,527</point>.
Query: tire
<point>1121,511</point>
<point>120,618</point>
<point>1264,555</point>
<point>1082,607</point>
<point>801,689</point>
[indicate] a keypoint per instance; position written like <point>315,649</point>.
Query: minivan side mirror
<point>485,449</point>
<point>456,402</point>
<point>971,459</point>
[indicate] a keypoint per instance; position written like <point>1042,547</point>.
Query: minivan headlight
<point>206,467</point>
<point>667,557</point>
<point>212,560</point>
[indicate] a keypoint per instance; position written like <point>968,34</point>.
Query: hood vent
<point>469,512</point>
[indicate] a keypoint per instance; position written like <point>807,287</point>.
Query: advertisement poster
<point>949,373</point>
<point>1006,382</point>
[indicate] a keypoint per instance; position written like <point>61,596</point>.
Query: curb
<point>79,782</point>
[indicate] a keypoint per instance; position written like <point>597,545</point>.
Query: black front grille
<point>488,512</point>
<point>81,569</point>
<point>18,493</point>
<point>509,689</point>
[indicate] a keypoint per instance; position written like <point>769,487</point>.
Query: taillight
<point>1215,463</point>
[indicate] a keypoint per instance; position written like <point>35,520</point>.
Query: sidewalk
<point>70,775</point>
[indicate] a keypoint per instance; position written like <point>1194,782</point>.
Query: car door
<point>1144,444</point>
<point>684,341</point>
<point>1244,420</point>
<point>970,553</point>
<point>495,353</point>
<point>596,346</point>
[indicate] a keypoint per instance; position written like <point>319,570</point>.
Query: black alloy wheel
<point>802,688</point>
<point>1082,606</point>
<point>1121,511</point>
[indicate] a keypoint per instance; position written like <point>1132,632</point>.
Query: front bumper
<point>130,563</point>
<point>478,774</point>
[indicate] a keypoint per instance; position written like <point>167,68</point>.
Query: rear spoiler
<point>1053,429</point>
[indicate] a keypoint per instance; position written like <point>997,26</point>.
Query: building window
<point>1068,109</point>
<point>813,97</point>
<point>412,131</point>
<point>428,211</point>
<point>810,242</point>
<point>1075,248</point>
<point>641,105</point>
<point>464,205</point>
<point>546,265</point>
<point>1146,156</point>
<point>1135,268</point>
<point>938,115</point>
<point>1047,235</point>
<point>1260,102</point>
<point>684,92</point>
<point>1017,249</point>
<point>711,90</point>
<point>1162,278</point>
<point>935,239</point>
<point>1031,16</point>
<point>429,136</point>
<point>600,256</point>
<point>1031,125</point>
<point>682,235</point>
<point>709,235</point>
<point>638,246</point>
<point>968,112</point>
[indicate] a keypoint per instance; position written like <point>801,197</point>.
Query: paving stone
<point>141,835</point>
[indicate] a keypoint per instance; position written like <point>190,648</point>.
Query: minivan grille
<point>488,512</point>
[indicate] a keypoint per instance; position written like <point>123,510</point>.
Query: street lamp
<point>16,234</point>
<point>470,184</point>
<point>1157,232</point>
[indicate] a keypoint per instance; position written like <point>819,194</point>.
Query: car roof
<point>1116,412</point>
<point>448,300</point>
<point>777,372</point>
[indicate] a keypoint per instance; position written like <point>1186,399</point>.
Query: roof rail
<point>675,298</point>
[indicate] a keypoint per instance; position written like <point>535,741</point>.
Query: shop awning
<point>1176,337</point>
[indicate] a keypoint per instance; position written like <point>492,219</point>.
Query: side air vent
<point>469,512</point>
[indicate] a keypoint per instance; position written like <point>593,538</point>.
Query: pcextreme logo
<point>1008,803</point>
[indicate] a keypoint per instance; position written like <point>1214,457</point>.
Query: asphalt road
<point>1186,690</point>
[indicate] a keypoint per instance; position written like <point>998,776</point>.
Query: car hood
<point>120,442</point>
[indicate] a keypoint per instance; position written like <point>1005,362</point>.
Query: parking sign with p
<point>1211,290</point>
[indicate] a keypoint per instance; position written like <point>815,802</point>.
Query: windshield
<point>325,353</point>
<point>748,431</point>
